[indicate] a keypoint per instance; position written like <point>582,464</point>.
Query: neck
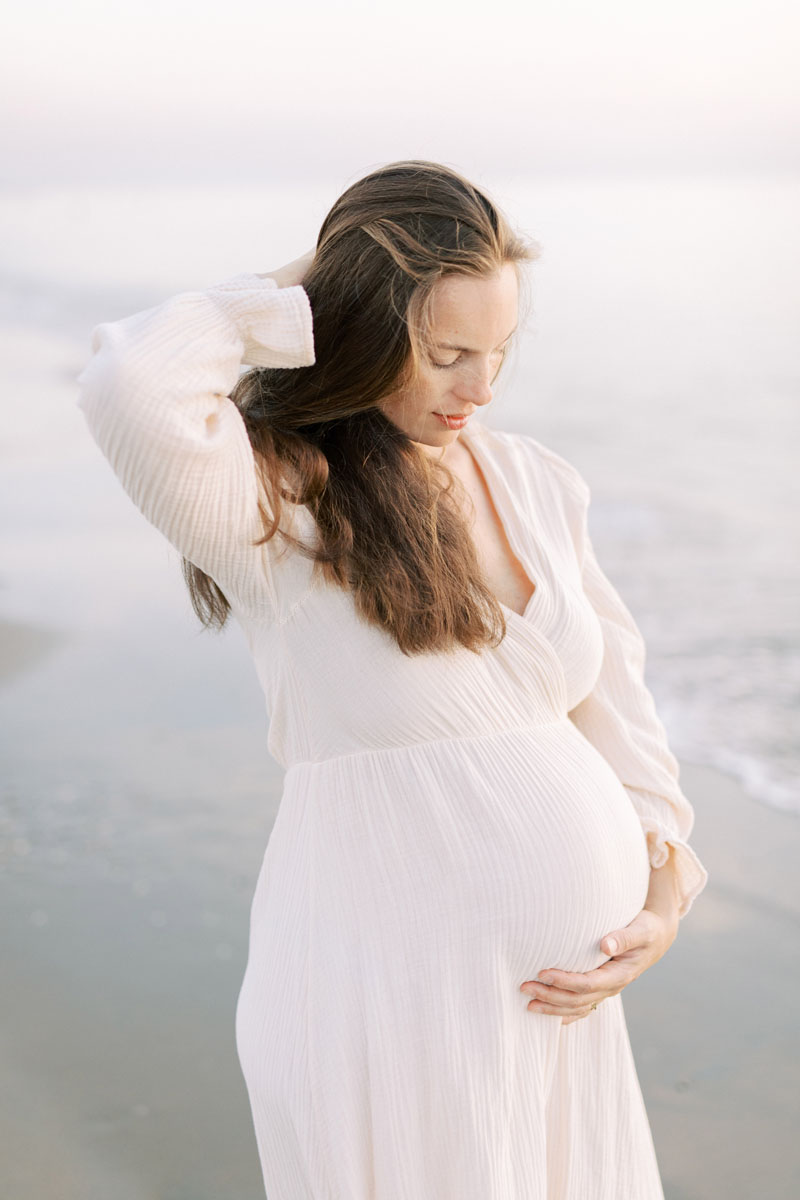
<point>449,454</point>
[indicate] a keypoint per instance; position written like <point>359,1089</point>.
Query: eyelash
<point>456,361</point>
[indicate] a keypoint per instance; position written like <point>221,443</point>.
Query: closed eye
<point>501,353</point>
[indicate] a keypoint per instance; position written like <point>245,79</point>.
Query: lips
<point>453,420</point>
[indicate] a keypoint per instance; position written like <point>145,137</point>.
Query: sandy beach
<point>122,1081</point>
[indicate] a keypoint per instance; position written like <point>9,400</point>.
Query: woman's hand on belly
<point>574,994</point>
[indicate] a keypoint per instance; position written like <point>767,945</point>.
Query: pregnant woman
<point>481,838</point>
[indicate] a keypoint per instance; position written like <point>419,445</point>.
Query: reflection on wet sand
<point>23,647</point>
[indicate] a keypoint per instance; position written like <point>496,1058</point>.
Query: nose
<point>476,384</point>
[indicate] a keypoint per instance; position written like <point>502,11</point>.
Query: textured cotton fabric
<point>450,824</point>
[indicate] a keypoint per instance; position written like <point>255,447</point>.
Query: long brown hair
<point>389,529</point>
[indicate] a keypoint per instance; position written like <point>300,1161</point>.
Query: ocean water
<point>659,355</point>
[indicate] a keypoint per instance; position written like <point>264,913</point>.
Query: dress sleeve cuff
<point>690,874</point>
<point>275,324</point>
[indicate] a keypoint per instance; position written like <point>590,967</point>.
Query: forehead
<point>479,310</point>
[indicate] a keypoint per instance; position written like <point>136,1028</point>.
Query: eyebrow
<point>466,349</point>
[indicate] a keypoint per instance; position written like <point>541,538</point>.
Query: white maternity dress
<point>450,824</point>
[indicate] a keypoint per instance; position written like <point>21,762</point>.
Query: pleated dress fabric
<point>450,824</point>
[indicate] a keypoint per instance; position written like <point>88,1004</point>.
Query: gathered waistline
<point>371,751</point>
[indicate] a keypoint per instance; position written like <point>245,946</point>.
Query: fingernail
<point>612,945</point>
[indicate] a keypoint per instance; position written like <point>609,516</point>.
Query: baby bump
<point>522,846</point>
<point>575,856</point>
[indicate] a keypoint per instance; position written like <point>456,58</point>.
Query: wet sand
<point>714,1024</point>
<point>23,646</point>
<point>119,1057</point>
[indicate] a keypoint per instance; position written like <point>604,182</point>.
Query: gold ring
<point>594,1005</point>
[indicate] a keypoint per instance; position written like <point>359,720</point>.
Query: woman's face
<point>472,320</point>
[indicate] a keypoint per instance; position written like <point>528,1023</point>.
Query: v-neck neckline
<point>472,444</point>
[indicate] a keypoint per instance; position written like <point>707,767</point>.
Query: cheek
<point>409,404</point>
<point>422,399</point>
<point>433,388</point>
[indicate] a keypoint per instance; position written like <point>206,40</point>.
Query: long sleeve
<point>619,715</point>
<point>155,395</point>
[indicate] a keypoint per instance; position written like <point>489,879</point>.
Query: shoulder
<point>538,463</point>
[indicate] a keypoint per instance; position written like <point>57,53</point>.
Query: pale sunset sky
<point>193,91</point>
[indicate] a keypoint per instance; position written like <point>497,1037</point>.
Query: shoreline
<point>23,647</point>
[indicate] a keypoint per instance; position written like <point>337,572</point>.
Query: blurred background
<point>652,152</point>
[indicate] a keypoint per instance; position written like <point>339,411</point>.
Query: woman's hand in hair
<point>293,273</point>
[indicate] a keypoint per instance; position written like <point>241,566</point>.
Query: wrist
<point>662,895</point>
<point>276,275</point>
<point>293,273</point>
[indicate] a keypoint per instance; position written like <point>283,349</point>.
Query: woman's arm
<point>619,715</point>
<point>155,395</point>
<point>619,718</point>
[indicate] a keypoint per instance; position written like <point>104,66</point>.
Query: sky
<point>197,91</point>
